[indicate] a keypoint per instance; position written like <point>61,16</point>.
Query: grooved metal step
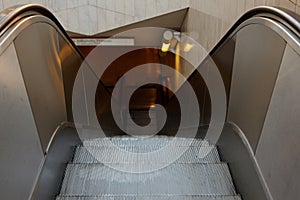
<point>107,154</point>
<point>157,141</point>
<point>150,198</point>
<point>176,179</point>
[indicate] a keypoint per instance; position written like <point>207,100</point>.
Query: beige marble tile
<point>298,10</point>
<point>231,10</point>
<point>110,5</point>
<point>110,19</point>
<point>151,8</point>
<point>129,19</point>
<point>287,4</point>
<point>62,17</point>
<point>129,7</point>
<point>92,2</point>
<point>120,6</point>
<point>101,19</point>
<point>60,5</point>
<point>241,7</point>
<point>162,6</point>
<point>139,9</point>
<point>1,5</point>
<point>41,2</point>
<point>72,3</point>
<point>8,3</point>
<point>101,3</point>
<point>259,2</point>
<point>82,2</point>
<point>84,17</point>
<point>184,3</point>
<point>249,4</point>
<point>73,16</point>
<point>174,4</point>
<point>119,19</point>
<point>93,20</point>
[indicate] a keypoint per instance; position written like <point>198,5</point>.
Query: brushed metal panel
<point>223,58</point>
<point>278,150</point>
<point>60,153</point>
<point>257,58</point>
<point>236,151</point>
<point>70,64</point>
<point>21,154</point>
<point>37,49</point>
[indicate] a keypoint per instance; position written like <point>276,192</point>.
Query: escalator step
<point>175,179</point>
<point>158,141</point>
<point>150,198</point>
<point>103,154</point>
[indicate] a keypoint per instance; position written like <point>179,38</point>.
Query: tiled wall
<point>209,20</point>
<point>94,16</point>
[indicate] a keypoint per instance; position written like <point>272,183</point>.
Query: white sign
<point>103,41</point>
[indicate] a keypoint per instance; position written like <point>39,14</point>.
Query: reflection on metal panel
<point>37,48</point>
<point>278,150</point>
<point>223,58</point>
<point>258,55</point>
<point>236,151</point>
<point>59,154</point>
<point>70,63</point>
<point>20,151</point>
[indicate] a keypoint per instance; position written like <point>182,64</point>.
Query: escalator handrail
<point>288,18</point>
<point>10,14</point>
<point>8,18</point>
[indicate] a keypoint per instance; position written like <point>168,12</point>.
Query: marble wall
<point>93,16</point>
<point>209,20</point>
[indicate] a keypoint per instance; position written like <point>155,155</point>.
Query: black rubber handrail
<point>9,15</point>
<point>288,17</point>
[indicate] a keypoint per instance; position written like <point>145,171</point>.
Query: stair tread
<point>142,141</point>
<point>176,179</point>
<point>103,154</point>
<point>179,197</point>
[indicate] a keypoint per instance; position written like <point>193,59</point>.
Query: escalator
<point>44,155</point>
<point>190,177</point>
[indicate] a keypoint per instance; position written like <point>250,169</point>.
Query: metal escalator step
<point>186,197</point>
<point>175,179</point>
<point>158,141</point>
<point>103,154</point>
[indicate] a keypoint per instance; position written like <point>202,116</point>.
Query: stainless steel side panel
<point>278,152</point>
<point>37,49</point>
<point>21,154</point>
<point>257,58</point>
<point>70,63</point>
<point>236,151</point>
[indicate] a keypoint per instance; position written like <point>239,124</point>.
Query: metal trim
<point>247,145</point>
<point>57,130</point>
<point>16,29</point>
<point>282,31</point>
<point>286,17</point>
